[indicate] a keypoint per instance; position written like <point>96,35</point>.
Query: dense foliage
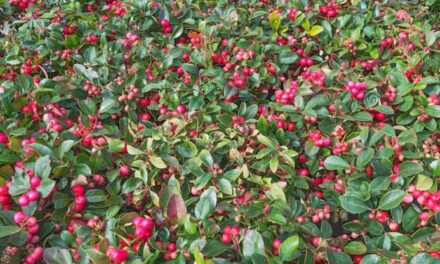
<point>248,131</point>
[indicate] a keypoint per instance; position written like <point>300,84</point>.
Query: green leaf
<point>288,59</point>
<point>252,244</point>
<point>42,167</point>
<point>66,146</point>
<point>364,158</point>
<point>353,204</point>
<point>176,208</point>
<point>97,256</point>
<point>435,168</point>
<point>57,255</point>
<point>372,259</point>
<point>206,205</point>
<point>273,163</point>
<point>115,145</point>
<point>187,149</point>
<point>225,186</point>
<point>89,74</point>
<point>206,158</point>
<point>355,248</point>
<point>20,184</point>
<point>391,199</point>
<point>433,110</point>
<point>258,13</point>
<point>336,163</point>
<point>265,141</point>
<point>430,38</point>
<point>289,247</point>
<point>423,182</point>
<point>95,196</point>
<point>131,184</point>
<point>335,257</point>
<point>363,116</point>
<point>42,150</point>
<point>46,187</point>
<point>277,192</point>
<point>407,137</point>
<point>315,30</point>
<point>274,21</point>
<point>23,82</point>
<point>157,162</point>
<point>8,230</point>
<point>384,109</point>
<point>107,105</point>
<point>408,168</point>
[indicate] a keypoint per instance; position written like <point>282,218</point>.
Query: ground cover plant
<point>138,131</point>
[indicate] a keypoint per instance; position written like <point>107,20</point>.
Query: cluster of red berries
<point>80,199</point>
<point>230,232</point>
<point>430,201</point>
<point>149,74</point>
<point>116,8</point>
<point>28,68</point>
<point>356,89</point>
<point>246,198</point>
<point>65,54</point>
<point>340,148</point>
<point>91,39</point>
<point>423,117</point>
<point>35,256</point>
<point>25,142</point>
<point>242,54</point>
<point>196,41</point>
<point>166,26</point>
<point>9,74</point>
<point>434,99</point>
<point>369,65</point>
<point>339,185</point>
<point>331,9</point>
<point>220,58</point>
<point>117,255</point>
<point>95,223</point>
<point>291,13</point>
<point>5,197</point>
<point>22,4</point>
<point>180,110</point>
<point>378,116</point>
<point>32,195</point>
<point>130,95</point>
<point>305,62</point>
<point>391,93</point>
<point>143,227</point>
<point>431,148</point>
<point>28,223</point>
<point>69,29</point>
<point>91,89</point>
<point>386,42</point>
<point>319,214</point>
<point>238,120</point>
<point>318,140</point>
<point>380,216</point>
<point>130,40</point>
<point>287,95</point>
<point>170,252</point>
<point>237,80</point>
<point>316,77</point>
<point>338,132</point>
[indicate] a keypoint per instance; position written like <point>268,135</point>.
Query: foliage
<point>219,131</point>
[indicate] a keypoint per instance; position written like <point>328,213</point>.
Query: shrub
<point>219,131</point>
